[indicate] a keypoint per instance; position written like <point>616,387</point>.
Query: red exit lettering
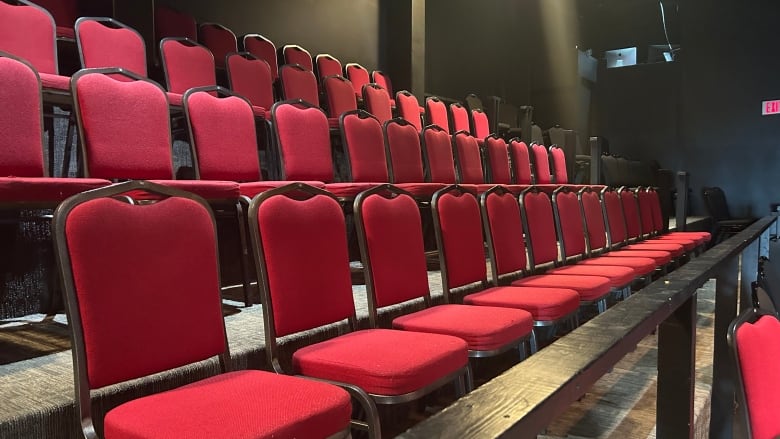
<point>770,107</point>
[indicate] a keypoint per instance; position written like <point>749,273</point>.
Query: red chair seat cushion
<point>516,189</point>
<point>45,189</point>
<point>333,123</point>
<point>66,32</point>
<point>261,112</point>
<point>641,266</point>
<point>348,190</point>
<point>619,276</point>
<point>675,250</point>
<point>208,189</point>
<point>56,82</point>
<point>250,189</point>
<point>547,188</point>
<point>244,404</point>
<point>588,287</point>
<point>422,189</point>
<point>697,240</point>
<point>174,98</point>
<point>544,304</point>
<point>383,361</point>
<point>704,237</point>
<point>660,257</point>
<point>687,244</point>
<point>483,328</point>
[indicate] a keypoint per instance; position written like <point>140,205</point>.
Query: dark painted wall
<point>347,29</point>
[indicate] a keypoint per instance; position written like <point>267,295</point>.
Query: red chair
<point>559,172</point>
<point>105,42</point>
<point>521,162</point>
<point>383,80</point>
<point>377,102</point>
<point>635,237</point>
<point>458,225</point>
<point>340,98</point>
<point>436,113</point>
<point>294,54</point>
<point>468,161</point>
<point>437,155</point>
<point>404,159</point>
<point>300,226</point>
<point>702,238</point>
<point>460,120</point>
<point>480,127</point>
<point>499,169</point>
<point>298,82</point>
<point>392,250</point>
<point>219,40</point>
<point>648,231</point>
<point>97,239</point>
<point>541,164</point>
<point>753,337</point>
<point>327,65</point>
<point>251,77</point>
<point>186,64</point>
<point>65,13</point>
<point>409,109</point>
<point>358,76</point>
<point>262,48</point>
<point>169,22</point>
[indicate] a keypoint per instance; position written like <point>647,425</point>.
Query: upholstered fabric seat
<point>45,189</point>
<point>252,188</point>
<point>618,275</point>
<point>57,82</point>
<point>589,288</point>
<point>544,304</point>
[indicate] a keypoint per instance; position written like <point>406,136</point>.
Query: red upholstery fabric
<point>246,404</point>
<point>253,188</point>
<point>661,258</point>
<point>559,165</point>
<point>66,32</point>
<point>631,213</point>
<point>405,152</point>
<point>541,164</point>
<point>28,33</point>
<point>437,113</point>
<point>299,83</point>
<point>377,101</point>
<point>569,216</point>
<point>506,230</point>
<point>425,190</point>
<point>674,249</point>
<point>544,304</point>
<point>328,66</point>
<point>64,12</point>
<point>382,80</point>
<point>484,328</point>
<point>252,79</point>
<point>349,190</point>
<point>613,209</point>
<point>223,137</point>
<point>588,287</point>
<point>57,82</point>
<point>498,160</point>
<point>619,276</point>
<point>264,49</point>
<point>333,122</point>
<point>341,98</point>
<point>438,154</point>
<point>365,146</point>
<point>172,23</point>
<point>212,190</point>
<point>700,237</point>
<point>21,154</point>
<point>305,151</point>
<point>45,190</point>
<point>687,244</point>
<point>694,237</point>
<point>187,66</point>
<point>358,76</point>
<point>469,159</point>
<point>594,220</point>
<point>642,266</point>
<point>461,236</point>
<point>104,46</point>
<point>521,162</point>
<point>645,212</point>
<point>305,233</point>
<point>111,112</point>
<point>261,112</point>
<point>460,118</point>
<point>122,271</point>
<point>174,99</point>
<point>409,108</point>
<point>757,346</point>
<point>541,227</point>
<point>481,124</point>
<point>297,55</point>
<point>372,360</point>
<point>219,40</point>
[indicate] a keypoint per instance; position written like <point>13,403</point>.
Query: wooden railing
<point>522,401</point>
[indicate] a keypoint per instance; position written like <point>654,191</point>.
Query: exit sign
<point>770,107</point>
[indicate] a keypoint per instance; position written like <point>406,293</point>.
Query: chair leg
<point>601,305</point>
<point>244,254</point>
<point>48,126</point>
<point>67,150</point>
<point>532,343</point>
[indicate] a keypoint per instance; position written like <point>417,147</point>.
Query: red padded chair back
<point>377,102</point>
<point>409,108</point>
<point>328,65</point>
<point>381,78</point>
<point>295,233</point>
<point>219,40</point>
<point>171,23</point>
<point>105,42</point>
<point>644,201</point>
<point>559,165</point>
<point>294,54</point>
<point>264,49</point>
<point>116,252</point>
<point>536,208</point>
<point>631,212</point>
<point>187,64</point>
<point>613,213</point>
<point>340,96</point>
<point>358,76</point>
<point>303,139</point>
<point>437,150</point>
<point>404,152</point>
<point>481,126</point>
<point>110,112</point>
<point>390,231</point>
<point>594,219</point>
<point>361,134</point>
<point>754,343</point>
<point>497,154</point>
<point>568,218</point>
<point>21,144</point>
<point>459,233</point>
<point>541,164</point>
<point>299,83</point>
<point>521,162</point>
<point>468,158</point>
<point>436,111</point>
<point>501,212</point>
<point>252,78</point>
<point>64,12</point>
<point>223,136</point>
<point>460,118</point>
<point>28,32</point>
<point>655,205</point>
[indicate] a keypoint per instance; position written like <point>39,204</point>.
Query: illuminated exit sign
<point>770,107</point>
